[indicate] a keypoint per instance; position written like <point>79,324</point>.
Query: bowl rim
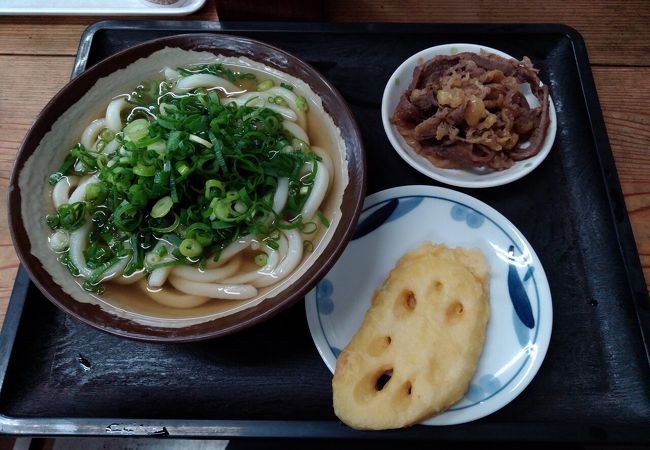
<point>226,44</point>
<point>424,166</point>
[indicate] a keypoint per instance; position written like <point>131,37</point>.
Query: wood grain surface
<point>616,32</point>
<point>37,54</point>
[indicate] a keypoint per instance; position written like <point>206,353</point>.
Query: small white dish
<point>97,8</point>
<point>397,220</point>
<point>475,178</point>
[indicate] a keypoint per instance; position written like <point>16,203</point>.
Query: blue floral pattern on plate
<point>483,388</point>
<point>324,291</point>
<point>462,213</point>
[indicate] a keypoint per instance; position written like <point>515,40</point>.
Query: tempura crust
<point>424,332</point>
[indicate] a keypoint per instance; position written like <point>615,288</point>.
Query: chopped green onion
<point>280,101</point>
<point>172,188</point>
<point>265,85</point>
<point>96,192</point>
<point>201,232</point>
<point>213,184</point>
<point>308,228</point>
<point>162,207</point>
<point>127,217</point>
<point>55,178</point>
<point>301,103</point>
<point>158,147</point>
<point>137,196</point>
<point>67,262</point>
<point>144,171</point>
<point>107,135</point>
<point>172,239</point>
<point>300,145</point>
<point>151,259</point>
<point>261,259</point>
<point>240,207</point>
<point>99,271</point>
<point>137,256</point>
<point>72,215</point>
<point>190,248</point>
<point>59,240</point>
<point>162,226</point>
<point>200,140</point>
<point>168,263</point>
<point>286,86</point>
<point>52,220</point>
<point>136,130</point>
<point>68,163</point>
<point>96,288</point>
<point>182,168</point>
<point>323,219</point>
<point>273,244</point>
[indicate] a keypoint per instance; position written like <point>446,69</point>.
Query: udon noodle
<point>155,195</point>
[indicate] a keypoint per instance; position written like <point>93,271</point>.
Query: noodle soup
<point>208,188</point>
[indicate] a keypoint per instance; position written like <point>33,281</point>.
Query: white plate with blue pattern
<point>397,220</point>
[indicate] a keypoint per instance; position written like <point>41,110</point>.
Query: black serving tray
<point>59,376</point>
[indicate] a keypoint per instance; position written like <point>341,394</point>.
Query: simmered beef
<point>466,110</point>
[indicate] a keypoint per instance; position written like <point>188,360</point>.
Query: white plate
<point>476,178</point>
<point>400,219</point>
<point>98,8</point>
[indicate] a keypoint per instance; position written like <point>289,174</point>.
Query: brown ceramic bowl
<point>67,98</point>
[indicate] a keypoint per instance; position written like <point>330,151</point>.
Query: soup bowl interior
<point>124,311</point>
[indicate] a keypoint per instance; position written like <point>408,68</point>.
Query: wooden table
<point>37,54</point>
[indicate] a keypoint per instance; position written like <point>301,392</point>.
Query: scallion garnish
<point>190,248</point>
<point>191,174</point>
<point>301,103</point>
<point>261,259</point>
<point>162,207</point>
<point>265,85</point>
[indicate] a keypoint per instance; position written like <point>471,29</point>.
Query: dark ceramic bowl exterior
<point>353,196</point>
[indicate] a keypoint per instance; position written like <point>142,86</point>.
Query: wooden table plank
<point>28,87</point>
<point>618,32</point>
<point>25,35</point>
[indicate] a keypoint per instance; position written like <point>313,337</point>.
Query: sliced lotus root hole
<point>379,345</point>
<point>372,383</point>
<point>405,303</point>
<point>455,310</point>
<point>402,397</point>
<point>383,379</point>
